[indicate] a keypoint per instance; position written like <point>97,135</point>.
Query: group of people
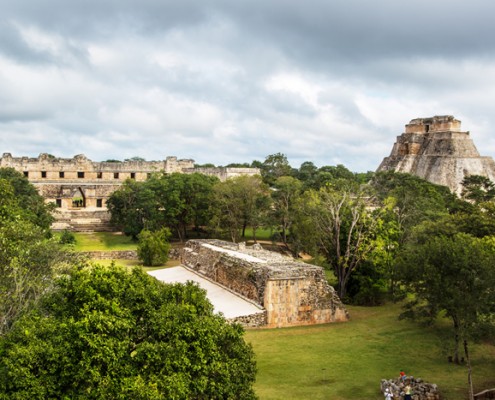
<point>407,389</point>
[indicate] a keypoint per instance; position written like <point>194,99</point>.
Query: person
<point>402,375</point>
<point>407,392</point>
<point>388,394</point>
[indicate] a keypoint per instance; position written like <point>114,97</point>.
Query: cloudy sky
<point>327,81</point>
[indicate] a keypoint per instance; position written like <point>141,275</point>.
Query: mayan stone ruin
<point>80,187</point>
<point>292,293</point>
<point>437,150</point>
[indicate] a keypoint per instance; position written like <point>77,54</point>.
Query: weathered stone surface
<point>292,293</point>
<point>80,187</point>
<point>420,390</point>
<point>112,255</point>
<point>435,149</point>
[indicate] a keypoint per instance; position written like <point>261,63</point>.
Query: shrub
<point>153,247</point>
<point>67,237</point>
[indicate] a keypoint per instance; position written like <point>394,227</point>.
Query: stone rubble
<point>421,390</point>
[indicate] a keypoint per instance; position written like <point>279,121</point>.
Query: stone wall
<point>437,150</point>
<point>251,321</point>
<point>112,255</point>
<point>291,292</point>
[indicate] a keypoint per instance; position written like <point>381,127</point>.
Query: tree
<point>336,223</point>
<point>28,257</point>
<point>453,274</point>
<point>133,207</point>
<point>106,333</point>
<point>285,194</point>
<point>478,189</point>
<point>183,200</point>
<point>241,202</point>
<point>28,261</point>
<point>153,247</point>
<point>275,166</point>
<point>415,199</point>
<point>28,199</point>
<point>135,158</point>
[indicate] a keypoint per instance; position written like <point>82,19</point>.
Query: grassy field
<point>134,263</point>
<point>103,241</point>
<point>346,361</point>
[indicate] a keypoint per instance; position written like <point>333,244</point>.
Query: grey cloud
<point>372,66</point>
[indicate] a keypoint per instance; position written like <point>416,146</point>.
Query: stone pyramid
<point>437,150</point>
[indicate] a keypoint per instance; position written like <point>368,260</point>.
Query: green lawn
<point>103,241</point>
<point>346,361</point>
<point>261,234</point>
<point>134,263</point>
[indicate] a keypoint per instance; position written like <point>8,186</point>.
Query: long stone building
<point>80,187</point>
<point>291,293</point>
<point>437,150</point>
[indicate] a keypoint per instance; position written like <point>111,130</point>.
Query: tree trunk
<point>179,233</point>
<point>456,340</point>
<point>470,379</point>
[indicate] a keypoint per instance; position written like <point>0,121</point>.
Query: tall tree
<point>453,274</point>
<point>241,202</point>
<point>183,200</point>
<point>337,224</point>
<point>285,194</point>
<point>133,207</point>
<point>177,201</point>
<point>275,166</point>
<point>106,333</point>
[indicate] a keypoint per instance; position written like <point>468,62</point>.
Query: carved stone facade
<point>437,150</point>
<point>292,293</point>
<point>80,187</point>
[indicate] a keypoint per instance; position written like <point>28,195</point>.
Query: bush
<point>153,247</point>
<point>106,333</point>
<point>67,237</point>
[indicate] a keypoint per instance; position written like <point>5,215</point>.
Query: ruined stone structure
<point>421,390</point>
<point>80,187</point>
<point>292,293</point>
<point>437,150</point>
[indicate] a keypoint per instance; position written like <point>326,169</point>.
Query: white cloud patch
<point>222,82</point>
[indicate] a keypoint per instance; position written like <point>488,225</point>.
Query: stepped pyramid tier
<point>437,150</point>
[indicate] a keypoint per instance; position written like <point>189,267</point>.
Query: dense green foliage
<point>105,333</point>
<point>153,247</point>
<point>28,256</point>
<point>67,237</point>
<point>176,201</point>
<point>238,203</point>
<point>20,199</point>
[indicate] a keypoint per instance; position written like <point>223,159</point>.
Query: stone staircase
<point>83,220</point>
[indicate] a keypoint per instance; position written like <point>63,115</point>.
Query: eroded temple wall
<point>292,293</point>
